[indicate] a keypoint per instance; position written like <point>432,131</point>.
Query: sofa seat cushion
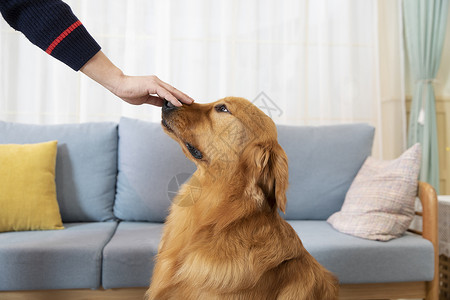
<point>128,259</point>
<point>357,260</point>
<point>61,259</point>
<point>86,165</point>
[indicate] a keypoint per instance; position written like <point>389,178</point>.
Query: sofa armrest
<point>428,198</point>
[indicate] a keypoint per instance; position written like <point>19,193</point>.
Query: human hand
<point>138,90</point>
<point>135,90</point>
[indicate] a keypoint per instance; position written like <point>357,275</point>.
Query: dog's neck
<point>219,203</point>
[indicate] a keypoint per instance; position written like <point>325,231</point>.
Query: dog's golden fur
<point>224,237</point>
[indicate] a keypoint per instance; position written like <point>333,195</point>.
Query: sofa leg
<point>433,289</point>
<point>428,197</point>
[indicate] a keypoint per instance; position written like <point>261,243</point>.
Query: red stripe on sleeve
<point>62,36</point>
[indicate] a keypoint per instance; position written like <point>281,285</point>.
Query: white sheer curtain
<point>303,62</point>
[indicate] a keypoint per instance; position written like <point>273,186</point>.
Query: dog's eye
<point>222,108</point>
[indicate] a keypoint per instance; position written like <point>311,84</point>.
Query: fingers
<point>180,96</point>
<point>154,100</point>
<point>177,93</point>
<point>165,94</point>
<point>137,90</point>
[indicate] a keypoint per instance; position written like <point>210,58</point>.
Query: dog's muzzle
<point>168,107</point>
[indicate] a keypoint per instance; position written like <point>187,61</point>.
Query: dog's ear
<point>278,164</point>
<point>266,169</point>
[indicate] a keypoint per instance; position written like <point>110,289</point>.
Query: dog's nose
<point>168,106</point>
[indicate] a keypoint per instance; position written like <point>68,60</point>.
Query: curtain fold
<point>425,24</point>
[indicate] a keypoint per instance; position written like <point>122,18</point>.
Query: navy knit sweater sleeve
<point>52,26</point>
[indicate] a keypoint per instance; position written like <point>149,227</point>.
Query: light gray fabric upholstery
<point>128,258</point>
<point>357,260</point>
<point>148,160</point>
<point>86,165</point>
<point>70,258</point>
<point>323,161</point>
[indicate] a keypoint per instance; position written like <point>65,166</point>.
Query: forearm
<point>100,69</point>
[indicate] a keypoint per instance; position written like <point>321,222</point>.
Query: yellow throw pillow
<point>27,187</point>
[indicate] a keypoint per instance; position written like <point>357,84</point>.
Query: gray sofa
<point>114,185</point>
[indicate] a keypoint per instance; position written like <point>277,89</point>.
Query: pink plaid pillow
<point>380,202</point>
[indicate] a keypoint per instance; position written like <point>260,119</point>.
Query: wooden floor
<point>113,294</point>
<point>403,290</point>
<point>407,290</point>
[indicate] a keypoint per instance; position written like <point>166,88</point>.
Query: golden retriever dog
<point>224,237</point>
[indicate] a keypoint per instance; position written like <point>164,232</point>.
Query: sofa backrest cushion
<point>149,161</point>
<point>86,165</point>
<point>323,161</point>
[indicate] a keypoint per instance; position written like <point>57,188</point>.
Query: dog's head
<point>231,140</point>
